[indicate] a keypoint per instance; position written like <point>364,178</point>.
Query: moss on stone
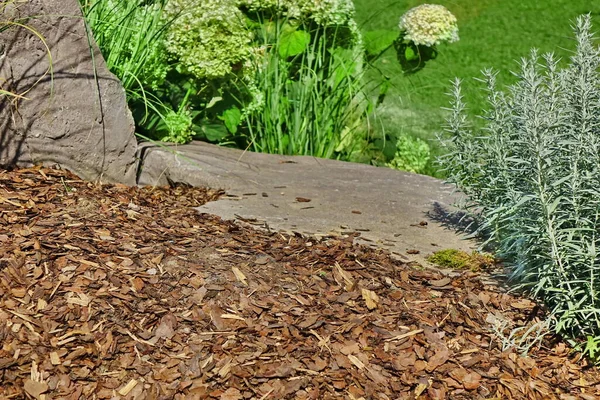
<point>457,259</point>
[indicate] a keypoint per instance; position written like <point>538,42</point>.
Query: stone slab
<point>402,212</point>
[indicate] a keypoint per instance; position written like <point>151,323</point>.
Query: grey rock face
<point>76,116</point>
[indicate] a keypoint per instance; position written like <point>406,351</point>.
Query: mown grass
<point>493,33</point>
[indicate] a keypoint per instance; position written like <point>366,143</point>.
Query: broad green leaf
<point>232,118</point>
<point>215,132</point>
<point>592,346</point>
<point>410,54</point>
<point>293,43</point>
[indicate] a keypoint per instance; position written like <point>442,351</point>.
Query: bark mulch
<point>110,292</point>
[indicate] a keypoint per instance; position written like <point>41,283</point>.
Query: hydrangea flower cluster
<point>429,25</point>
<point>338,13</point>
<point>328,12</point>
<point>323,12</point>
<point>207,39</point>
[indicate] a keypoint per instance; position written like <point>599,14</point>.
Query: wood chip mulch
<point>112,292</point>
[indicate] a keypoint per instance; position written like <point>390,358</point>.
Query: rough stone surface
<point>405,213</point>
<point>69,117</point>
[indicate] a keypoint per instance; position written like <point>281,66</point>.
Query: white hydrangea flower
<point>206,38</point>
<point>323,12</point>
<point>328,12</point>
<point>429,25</point>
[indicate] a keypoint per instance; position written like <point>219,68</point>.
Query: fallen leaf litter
<point>111,292</point>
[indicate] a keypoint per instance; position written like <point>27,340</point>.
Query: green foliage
<point>179,125</point>
<point>232,118</point>
<point>130,36</point>
<point>412,154</point>
<point>591,347</point>
<point>492,33</point>
<point>322,13</point>
<point>413,57</point>
<point>532,174</point>
<point>273,76</point>
<point>214,132</point>
<point>306,91</point>
<point>208,39</point>
<point>293,42</point>
<point>165,103</point>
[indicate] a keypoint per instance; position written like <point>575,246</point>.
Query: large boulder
<point>75,114</point>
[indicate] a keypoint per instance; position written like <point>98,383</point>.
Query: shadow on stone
<point>76,116</point>
<point>456,220</point>
<point>463,223</point>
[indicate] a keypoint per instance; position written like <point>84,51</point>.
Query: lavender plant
<point>532,175</point>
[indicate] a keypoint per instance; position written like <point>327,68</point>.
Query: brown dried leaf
<point>309,321</point>
<point>231,394</point>
<point>35,388</point>
<point>172,262</point>
<point>471,381</point>
<point>78,298</point>
<point>320,364</point>
<point>522,304</point>
<point>440,282</point>
<point>138,284</point>
<point>349,282</point>
<point>439,358</point>
<point>354,360</point>
<point>166,327</point>
<point>239,275</point>
<point>371,299</point>
<point>352,348</point>
<point>276,370</point>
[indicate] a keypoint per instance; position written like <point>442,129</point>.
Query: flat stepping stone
<point>402,212</point>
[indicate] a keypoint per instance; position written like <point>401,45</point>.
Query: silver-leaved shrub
<point>532,174</point>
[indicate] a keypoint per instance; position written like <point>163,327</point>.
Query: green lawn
<point>493,33</point>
